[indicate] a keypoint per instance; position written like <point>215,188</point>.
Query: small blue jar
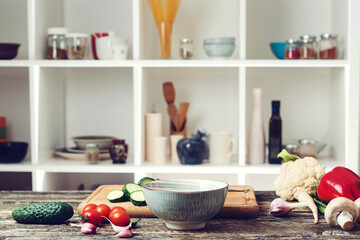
<point>192,151</point>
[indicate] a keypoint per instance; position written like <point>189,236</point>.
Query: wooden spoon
<point>169,94</point>
<point>183,108</point>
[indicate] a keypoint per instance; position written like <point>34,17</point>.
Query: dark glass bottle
<point>275,140</point>
<point>118,151</point>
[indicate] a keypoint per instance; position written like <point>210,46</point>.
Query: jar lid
<point>57,31</point>
<point>186,40</point>
<point>309,37</point>
<point>328,36</point>
<point>306,141</point>
<point>74,35</point>
<point>118,141</point>
<point>291,146</point>
<point>291,41</point>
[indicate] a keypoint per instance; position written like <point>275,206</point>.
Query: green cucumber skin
<point>43,213</point>
<point>145,180</point>
<point>127,193</point>
<point>135,202</point>
<point>122,199</point>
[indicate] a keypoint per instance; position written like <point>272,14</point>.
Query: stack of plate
<point>75,153</point>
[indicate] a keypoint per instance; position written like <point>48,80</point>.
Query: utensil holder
<point>182,132</point>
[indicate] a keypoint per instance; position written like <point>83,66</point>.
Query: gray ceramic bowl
<point>219,48</point>
<point>103,142</point>
<point>185,204</point>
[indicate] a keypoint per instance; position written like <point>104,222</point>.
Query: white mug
<point>161,150</point>
<point>221,147</point>
<point>109,48</point>
<point>174,139</point>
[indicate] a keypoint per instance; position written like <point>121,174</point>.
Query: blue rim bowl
<point>185,204</point>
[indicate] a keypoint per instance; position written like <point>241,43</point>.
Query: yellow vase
<point>165,33</point>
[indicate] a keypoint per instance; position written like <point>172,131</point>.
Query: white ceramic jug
<point>111,48</point>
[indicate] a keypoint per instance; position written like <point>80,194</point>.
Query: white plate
<point>64,153</point>
<point>78,150</point>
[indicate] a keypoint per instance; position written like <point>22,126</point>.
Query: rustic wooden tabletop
<point>299,225</point>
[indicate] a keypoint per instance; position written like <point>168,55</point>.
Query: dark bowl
<point>8,50</point>
<point>13,152</point>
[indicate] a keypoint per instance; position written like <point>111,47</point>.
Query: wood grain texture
<point>299,225</point>
<point>237,204</point>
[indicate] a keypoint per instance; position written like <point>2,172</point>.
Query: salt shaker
<point>92,154</point>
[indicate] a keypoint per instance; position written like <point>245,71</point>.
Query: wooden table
<point>299,225</point>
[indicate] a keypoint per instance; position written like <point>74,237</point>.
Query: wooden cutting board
<point>237,204</point>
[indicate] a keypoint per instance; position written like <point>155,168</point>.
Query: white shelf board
<point>176,63</point>
<point>61,165</point>
<point>295,63</point>
<point>23,166</point>
<point>205,168</point>
<point>15,63</point>
<point>75,166</point>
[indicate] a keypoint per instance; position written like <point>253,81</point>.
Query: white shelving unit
<point>48,102</point>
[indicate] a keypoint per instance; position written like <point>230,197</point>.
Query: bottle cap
<point>118,141</point>
<point>275,104</point>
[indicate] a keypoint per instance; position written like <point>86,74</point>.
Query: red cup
<point>93,42</point>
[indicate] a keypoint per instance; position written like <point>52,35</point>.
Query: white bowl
<point>103,142</point>
<point>185,204</point>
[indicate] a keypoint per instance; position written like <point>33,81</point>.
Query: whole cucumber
<point>43,213</point>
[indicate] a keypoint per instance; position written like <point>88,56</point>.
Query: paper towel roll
<point>153,129</point>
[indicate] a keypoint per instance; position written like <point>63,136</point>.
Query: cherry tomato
<point>104,211</point>
<point>117,208</point>
<point>92,216</point>
<point>89,206</point>
<point>119,218</point>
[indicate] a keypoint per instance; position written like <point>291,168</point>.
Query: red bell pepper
<point>340,182</point>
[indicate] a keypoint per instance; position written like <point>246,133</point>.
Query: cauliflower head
<point>298,176</point>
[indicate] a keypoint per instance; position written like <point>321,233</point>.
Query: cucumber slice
<point>116,196</point>
<point>137,198</point>
<point>129,188</point>
<point>145,180</point>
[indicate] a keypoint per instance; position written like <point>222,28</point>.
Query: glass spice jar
<point>56,43</point>
<point>118,150</point>
<point>92,153</point>
<point>291,49</point>
<point>307,48</point>
<point>186,48</point>
<point>77,45</point>
<point>328,46</point>
<point>291,148</point>
<point>307,148</point>
<point>313,39</point>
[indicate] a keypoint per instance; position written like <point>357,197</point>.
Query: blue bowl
<point>278,49</point>
<point>13,152</point>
